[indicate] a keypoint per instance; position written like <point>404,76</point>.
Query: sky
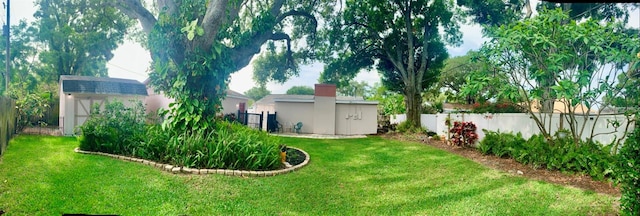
<point>131,61</point>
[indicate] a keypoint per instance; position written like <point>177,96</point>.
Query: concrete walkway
<point>318,136</point>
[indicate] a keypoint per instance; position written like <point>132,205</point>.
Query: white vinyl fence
<point>521,122</point>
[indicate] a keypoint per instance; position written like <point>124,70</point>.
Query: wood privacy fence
<point>8,115</point>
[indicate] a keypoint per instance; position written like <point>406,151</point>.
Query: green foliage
<point>563,154</point>
<point>31,109</point>
<point>554,57</point>
<point>117,129</point>
<point>628,174</point>
<point>389,103</point>
<point>257,93</point>
<point>229,146</point>
<point>504,107</point>
<point>409,128</point>
<point>79,36</point>
<point>300,90</point>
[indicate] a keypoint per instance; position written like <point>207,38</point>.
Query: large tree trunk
<point>413,102</point>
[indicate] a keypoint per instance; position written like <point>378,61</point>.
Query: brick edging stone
<point>186,170</point>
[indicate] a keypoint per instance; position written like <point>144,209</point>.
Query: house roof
<point>273,98</point>
<point>101,85</point>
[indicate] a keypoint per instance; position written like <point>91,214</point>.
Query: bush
<point>463,134</point>
<point>405,127</point>
<point>117,129</point>
<point>562,154</point>
<point>628,174</point>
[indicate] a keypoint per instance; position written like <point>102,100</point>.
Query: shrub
<point>405,127</point>
<point>628,174</point>
<point>463,134</point>
<point>117,129</point>
<point>561,154</point>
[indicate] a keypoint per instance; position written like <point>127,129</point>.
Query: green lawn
<point>41,175</point>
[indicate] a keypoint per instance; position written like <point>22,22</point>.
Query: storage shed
<point>79,93</point>
<point>323,112</point>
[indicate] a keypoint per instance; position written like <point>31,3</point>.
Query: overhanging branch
<point>135,10</point>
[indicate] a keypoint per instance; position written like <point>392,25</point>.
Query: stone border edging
<point>186,170</point>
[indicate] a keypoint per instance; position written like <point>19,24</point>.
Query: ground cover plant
<point>42,175</point>
<point>562,154</point>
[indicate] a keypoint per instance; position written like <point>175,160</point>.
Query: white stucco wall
<point>231,105</point>
<point>324,115</point>
<point>356,119</point>
<point>522,123</point>
<point>290,113</point>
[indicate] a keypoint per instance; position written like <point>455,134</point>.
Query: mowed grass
<point>41,175</point>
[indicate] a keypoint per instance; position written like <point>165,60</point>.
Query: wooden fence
<point>8,115</point>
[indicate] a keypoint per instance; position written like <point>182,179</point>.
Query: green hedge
<point>8,116</point>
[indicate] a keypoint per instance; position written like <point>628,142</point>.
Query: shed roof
<point>101,85</point>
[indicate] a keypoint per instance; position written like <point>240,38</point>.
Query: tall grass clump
<point>121,130</point>
<point>229,146</point>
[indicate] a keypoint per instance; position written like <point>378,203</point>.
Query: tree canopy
<point>404,40</point>
<point>257,92</point>
<point>196,44</point>
<point>79,36</point>
<point>300,90</point>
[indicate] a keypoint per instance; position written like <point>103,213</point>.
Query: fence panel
<point>8,114</point>
<point>522,123</point>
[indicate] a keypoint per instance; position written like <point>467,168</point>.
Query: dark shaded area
<point>295,156</point>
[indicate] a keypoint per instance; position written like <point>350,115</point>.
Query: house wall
<point>356,119</point>
<point>75,108</point>
<point>155,101</point>
<point>230,104</point>
<point>290,113</point>
<point>324,115</point>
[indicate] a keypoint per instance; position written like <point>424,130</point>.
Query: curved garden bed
<point>296,163</point>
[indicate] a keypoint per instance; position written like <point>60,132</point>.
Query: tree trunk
<point>413,102</point>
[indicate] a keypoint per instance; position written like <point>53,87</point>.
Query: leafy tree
<point>300,90</point>
<point>257,92</point>
<point>401,38</point>
<point>79,36</point>
<point>597,11</point>
<point>389,103</point>
<point>552,56</point>
<point>455,74</point>
<point>404,40</point>
<point>354,88</point>
<point>23,54</point>
<point>196,44</point>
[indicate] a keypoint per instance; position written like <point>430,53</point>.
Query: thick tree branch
<point>218,13</point>
<point>135,10</point>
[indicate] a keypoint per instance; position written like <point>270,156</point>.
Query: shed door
<point>83,108</point>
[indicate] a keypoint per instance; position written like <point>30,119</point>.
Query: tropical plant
<point>552,57</point>
<point>463,134</point>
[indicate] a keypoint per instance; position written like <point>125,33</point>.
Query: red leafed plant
<point>463,134</point>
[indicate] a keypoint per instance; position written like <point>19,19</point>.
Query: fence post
<point>262,118</point>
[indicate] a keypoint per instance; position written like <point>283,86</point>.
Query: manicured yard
<point>42,175</point>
